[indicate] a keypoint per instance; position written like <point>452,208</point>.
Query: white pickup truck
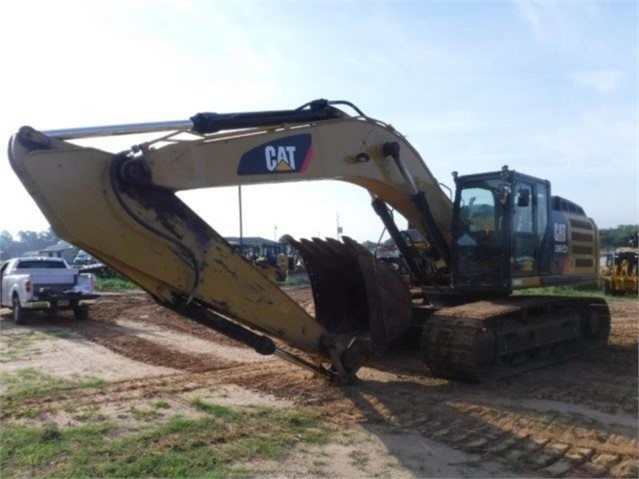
<point>45,284</point>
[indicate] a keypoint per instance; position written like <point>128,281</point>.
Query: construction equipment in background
<point>619,275</point>
<point>504,232</point>
<point>275,261</point>
<point>414,249</point>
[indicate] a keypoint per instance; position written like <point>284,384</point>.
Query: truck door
<point>3,287</point>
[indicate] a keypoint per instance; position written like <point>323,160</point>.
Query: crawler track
<point>478,340</point>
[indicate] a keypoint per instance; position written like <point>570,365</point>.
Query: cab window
<point>523,210</point>
<point>477,210</point>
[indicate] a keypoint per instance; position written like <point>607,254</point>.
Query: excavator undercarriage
<point>478,340</point>
<point>503,232</point>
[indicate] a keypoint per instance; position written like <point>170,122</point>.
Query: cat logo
<point>560,233</point>
<point>281,158</point>
<point>291,154</point>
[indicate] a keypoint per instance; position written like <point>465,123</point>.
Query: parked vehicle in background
<point>45,284</point>
<point>83,258</point>
<point>619,276</point>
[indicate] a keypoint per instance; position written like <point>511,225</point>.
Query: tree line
<point>26,241</point>
<point>622,235</point>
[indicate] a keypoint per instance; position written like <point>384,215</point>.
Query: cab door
<point>481,235</point>
<point>529,246</point>
<point>524,247</point>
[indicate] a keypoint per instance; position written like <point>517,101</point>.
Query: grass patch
<point>61,334</point>
<point>30,383</point>
<point>162,405</point>
<point>573,291</point>
<point>20,346</point>
<point>89,414</point>
<point>145,414</point>
<point>222,412</point>
<point>115,284</point>
<point>298,280</point>
<point>30,451</point>
<point>23,345</point>
<point>24,340</point>
<point>220,444</point>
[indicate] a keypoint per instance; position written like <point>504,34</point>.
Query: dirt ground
<point>575,419</point>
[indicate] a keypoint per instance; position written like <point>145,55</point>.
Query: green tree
<point>26,241</point>
<point>619,236</point>
<point>34,240</point>
<point>6,240</point>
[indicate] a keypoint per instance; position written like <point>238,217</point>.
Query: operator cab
<point>627,254</point>
<point>500,231</point>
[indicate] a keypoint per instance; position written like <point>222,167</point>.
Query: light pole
<point>275,233</point>
<point>239,194</point>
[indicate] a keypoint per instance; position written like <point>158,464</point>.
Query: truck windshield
<point>41,264</point>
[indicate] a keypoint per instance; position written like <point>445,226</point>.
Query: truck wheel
<point>81,313</point>
<point>18,312</point>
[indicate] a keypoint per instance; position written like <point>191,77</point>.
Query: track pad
<point>353,292</point>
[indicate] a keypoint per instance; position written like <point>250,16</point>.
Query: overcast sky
<point>548,88</point>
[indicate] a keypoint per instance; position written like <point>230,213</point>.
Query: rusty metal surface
<point>354,292</point>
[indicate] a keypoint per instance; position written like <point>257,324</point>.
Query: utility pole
<point>275,233</point>
<point>339,228</point>
<point>239,194</point>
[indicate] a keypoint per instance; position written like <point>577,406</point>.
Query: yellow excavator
<point>503,232</point>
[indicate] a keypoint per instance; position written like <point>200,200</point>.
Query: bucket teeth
<point>353,292</point>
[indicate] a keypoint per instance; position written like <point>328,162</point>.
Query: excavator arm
<point>123,210</point>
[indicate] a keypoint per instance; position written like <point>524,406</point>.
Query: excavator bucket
<point>354,292</point>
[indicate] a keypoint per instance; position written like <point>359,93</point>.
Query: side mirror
<point>523,198</point>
